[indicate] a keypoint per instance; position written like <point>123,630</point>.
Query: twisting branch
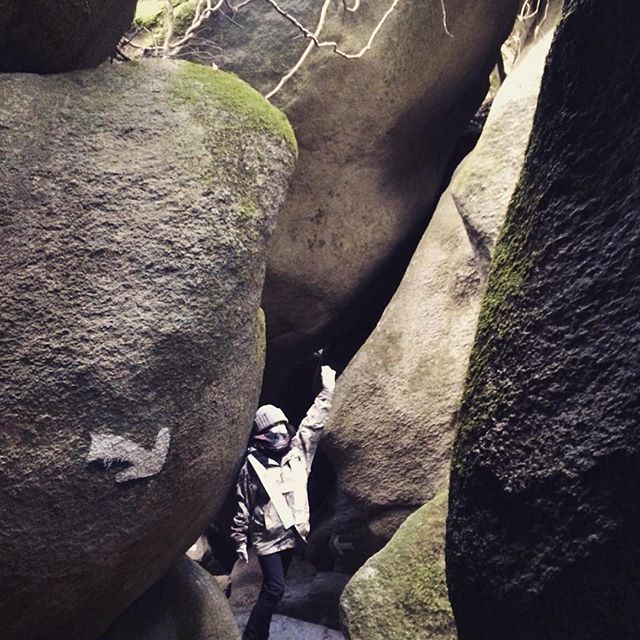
<point>303,57</point>
<point>331,43</point>
<point>444,19</point>
<point>315,36</point>
<point>528,11</point>
<point>235,8</point>
<point>315,41</point>
<point>545,15</point>
<point>175,45</point>
<point>204,9</point>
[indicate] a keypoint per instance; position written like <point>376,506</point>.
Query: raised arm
<point>312,424</point>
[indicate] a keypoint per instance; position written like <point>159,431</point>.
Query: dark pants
<point>274,569</point>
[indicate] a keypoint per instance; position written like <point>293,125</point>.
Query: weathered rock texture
<point>390,432</point>
<point>136,203</point>
<point>375,135</point>
<point>544,519</point>
<point>48,37</point>
<point>392,424</point>
<point>314,598</point>
<point>372,156</point>
<point>484,183</point>
<point>185,604</point>
<point>401,592</point>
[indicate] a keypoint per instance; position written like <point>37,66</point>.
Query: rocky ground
<point>285,628</point>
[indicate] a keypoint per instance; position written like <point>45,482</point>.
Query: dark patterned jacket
<point>256,520</point>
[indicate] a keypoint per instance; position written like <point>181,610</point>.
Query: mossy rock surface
<point>543,523</point>
<point>138,201</point>
<point>400,593</point>
<point>375,136</point>
<point>149,13</point>
<point>198,88</point>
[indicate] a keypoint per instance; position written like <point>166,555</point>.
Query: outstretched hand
<point>328,376</point>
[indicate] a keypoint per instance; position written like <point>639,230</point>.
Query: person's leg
<point>287,556</point>
<point>274,569</point>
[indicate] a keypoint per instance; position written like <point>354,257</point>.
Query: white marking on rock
<point>109,448</point>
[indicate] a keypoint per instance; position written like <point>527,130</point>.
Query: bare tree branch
<point>173,46</point>
<point>444,19</point>
<point>230,18</point>
<point>331,43</point>
<point>204,9</point>
<point>528,11</point>
<point>240,5</point>
<point>307,51</point>
<point>544,17</point>
<point>315,37</point>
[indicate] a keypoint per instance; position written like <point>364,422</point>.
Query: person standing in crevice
<point>273,505</point>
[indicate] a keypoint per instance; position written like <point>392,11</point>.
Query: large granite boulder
<point>401,592</point>
<point>542,537</point>
<point>136,203</point>
<point>390,431</point>
<point>375,136</point>
<point>484,183</point>
<point>49,37</point>
<point>185,604</point>
<point>393,418</point>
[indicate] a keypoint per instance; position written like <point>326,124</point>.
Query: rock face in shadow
<point>401,592</point>
<point>40,36</point>
<point>393,419</point>
<point>185,604</point>
<point>544,518</point>
<point>136,203</point>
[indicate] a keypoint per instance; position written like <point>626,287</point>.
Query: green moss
<point>199,87</point>
<point>249,207</point>
<point>183,13</point>
<point>149,14</point>
<point>401,592</point>
<point>511,263</point>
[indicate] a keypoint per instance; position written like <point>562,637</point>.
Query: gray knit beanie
<point>266,416</point>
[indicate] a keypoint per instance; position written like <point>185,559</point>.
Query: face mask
<point>273,441</point>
